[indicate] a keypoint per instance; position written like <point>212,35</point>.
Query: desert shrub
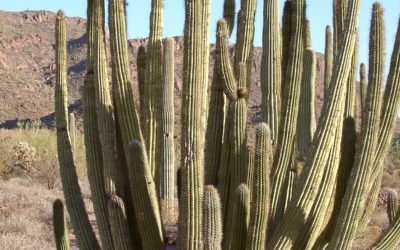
<point>30,151</point>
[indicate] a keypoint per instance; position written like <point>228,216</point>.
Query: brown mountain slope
<point>27,65</point>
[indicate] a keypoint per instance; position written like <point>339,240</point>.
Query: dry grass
<point>43,167</point>
<point>26,214</point>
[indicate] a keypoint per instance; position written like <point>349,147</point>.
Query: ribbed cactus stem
<point>145,199</point>
<point>119,227</point>
<point>363,85</point>
<point>215,126</point>
<point>195,76</point>
<point>308,43</point>
<point>271,69</point>
<point>390,105</point>
<point>250,165</point>
<point>259,208</point>
<point>390,239</point>
<point>350,102</point>
<point>60,230</point>
<point>236,235</point>
<point>306,118</point>
<point>141,76</point>
<point>167,178</point>
<point>98,124</point>
<point>339,18</point>
<point>392,206</point>
<point>128,118</point>
<point>353,200</point>
<point>289,112</point>
<point>286,39</point>
<point>85,236</point>
<point>229,14</point>
<point>212,221</point>
<point>328,58</point>
<point>152,115</point>
<point>310,180</point>
<point>72,131</point>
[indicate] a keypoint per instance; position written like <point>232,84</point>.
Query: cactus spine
<point>167,180</point>
<point>195,64</point>
<point>212,221</point>
<point>392,206</point>
<point>271,69</point>
<point>85,236</point>
<point>60,230</point>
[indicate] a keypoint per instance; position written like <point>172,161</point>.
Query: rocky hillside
<point>27,67</point>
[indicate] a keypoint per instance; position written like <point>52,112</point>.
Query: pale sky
<point>319,12</point>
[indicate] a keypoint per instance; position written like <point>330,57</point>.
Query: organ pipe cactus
<point>212,221</point>
<point>72,131</point>
<point>80,222</point>
<point>328,58</point>
<point>393,206</point>
<point>309,175</point>
<point>193,121</point>
<point>60,230</point>
<point>167,180</point>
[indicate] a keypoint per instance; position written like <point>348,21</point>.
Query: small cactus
<point>60,230</point>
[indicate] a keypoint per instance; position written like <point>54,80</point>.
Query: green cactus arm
<point>370,204</point>
<point>392,205</point>
<point>290,107</point>
<point>141,75</point>
<point>250,165</point>
<point>118,218</point>
<point>236,236</point>
<point>307,35</point>
<point>152,115</point>
<point>363,85</point>
<point>195,65</point>
<point>328,58</point>
<point>122,88</point>
<point>353,202</point>
<point>85,236</point>
<point>222,50</point>
<point>145,198</point>
<point>259,208</point>
<point>309,181</point>
<point>390,239</point>
<point>286,38</point>
<point>215,127</point>
<point>244,40</point>
<point>229,14</point>
<point>60,230</point>
<point>212,221</point>
<point>271,69</point>
<point>390,106</point>
<point>167,172</point>
<point>306,117</point>
<point>339,18</point>
<point>350,101</point>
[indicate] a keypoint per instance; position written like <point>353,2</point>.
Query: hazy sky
<point>319,12</point>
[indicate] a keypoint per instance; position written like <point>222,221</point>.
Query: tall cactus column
<point>195,65</point>
<point>271,69</point>
<point>287,132</point>
<point>167,175</point>
<point>85,236</point>
<point>153,89</point>
<point>354,199</point>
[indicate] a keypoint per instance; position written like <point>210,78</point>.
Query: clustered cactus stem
<point>60,229</point>
<point>302,184</point>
